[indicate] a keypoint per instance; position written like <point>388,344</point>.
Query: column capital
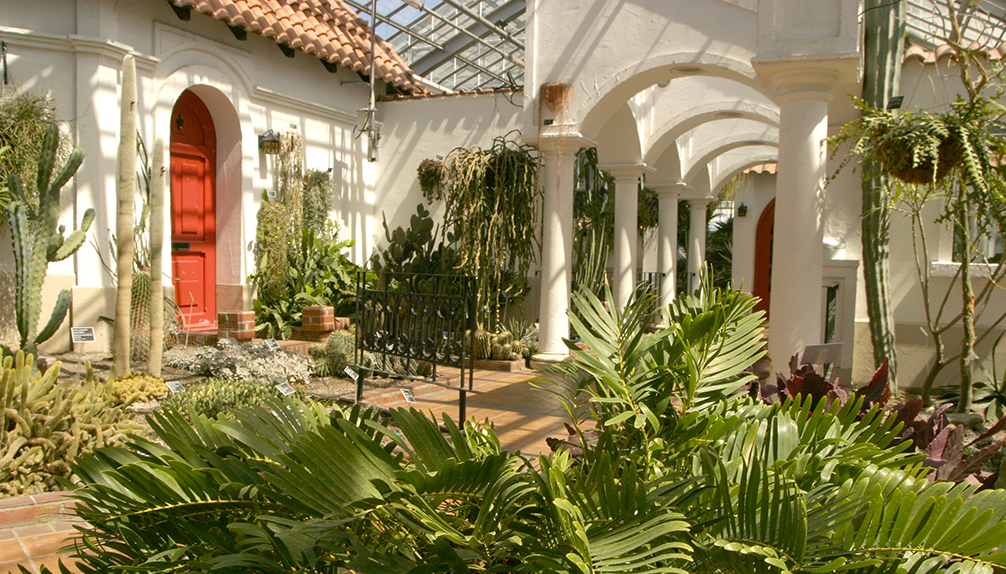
<point>670,190</point>
<point>806,77</point>
<point>627,171</point>
<point>699,202</point>
<point>559,144</point>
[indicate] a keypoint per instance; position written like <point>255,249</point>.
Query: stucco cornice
<point>266,95</point>
<point>560,143</point>
<point>806,76</point>
<point>73,43</point>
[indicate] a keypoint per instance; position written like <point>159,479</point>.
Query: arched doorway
<point>193,211</point>
<point>763,257</point>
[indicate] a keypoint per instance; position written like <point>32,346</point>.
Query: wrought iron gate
<point>416,317</point>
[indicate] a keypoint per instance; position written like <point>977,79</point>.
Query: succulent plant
<point>49,422</point>
<point>40,242</point>
<point>137,386</point>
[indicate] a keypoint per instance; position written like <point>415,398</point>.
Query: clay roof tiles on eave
<point>931,56</point>
<point>327,29</point>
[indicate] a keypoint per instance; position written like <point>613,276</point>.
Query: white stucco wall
<point>74,50</point>
<point>420,129</point>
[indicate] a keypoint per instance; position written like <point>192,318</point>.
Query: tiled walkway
<point>522,415</point>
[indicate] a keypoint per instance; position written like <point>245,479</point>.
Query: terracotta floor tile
<point>11,551</point>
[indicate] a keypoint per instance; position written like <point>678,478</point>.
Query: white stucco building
<point>685,93</point>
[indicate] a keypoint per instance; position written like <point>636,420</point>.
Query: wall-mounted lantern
<point>742,210</point>
<point>269,143</point>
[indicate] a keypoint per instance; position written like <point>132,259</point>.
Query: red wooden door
<point>763,257</point>
<point>193,212</point>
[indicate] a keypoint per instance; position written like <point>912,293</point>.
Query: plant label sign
<point>409,398</point>
<point>82,334</point>
<point>285,388</point>
<point>822,354</point>
<point>272,344</point>
<point>352,374</point>
<point>175,386</point>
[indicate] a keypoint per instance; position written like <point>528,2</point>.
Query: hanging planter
<point>431,179</point>
<point>918,148</point>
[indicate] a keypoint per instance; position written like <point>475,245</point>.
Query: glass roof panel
<point>455,44</point>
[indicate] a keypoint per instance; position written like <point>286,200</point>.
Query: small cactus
<point>483,344</point>
<point>499,353</point>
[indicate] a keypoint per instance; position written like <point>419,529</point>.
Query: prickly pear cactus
<point>37,243</point>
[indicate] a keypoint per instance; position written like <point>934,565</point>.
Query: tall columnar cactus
<point>40,242</point>
<point>156,264</point>
<point>125,182</point>
<point>883,46</point>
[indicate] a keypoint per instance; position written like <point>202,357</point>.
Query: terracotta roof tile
<point>941,52</point>
<point>328,29</point>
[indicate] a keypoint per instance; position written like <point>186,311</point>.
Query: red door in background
<point>763,257</point>
<point>193,213</point>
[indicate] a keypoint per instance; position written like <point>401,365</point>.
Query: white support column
<point>797,254</point>
<point>625,255</point>
<point>558,182</point>
<point>667,240</point>
<point>697,229</point>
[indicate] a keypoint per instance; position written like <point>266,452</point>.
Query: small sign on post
<point>174,386</point>
<point>82,334</point>
<point>352,374</point>
<point>286,389</point>
<point>407,394</point>
<point>272,344</point>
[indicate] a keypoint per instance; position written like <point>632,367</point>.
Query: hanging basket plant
<point>919,148</point>
<point>431,179</point>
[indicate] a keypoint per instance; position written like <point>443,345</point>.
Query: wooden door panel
<point>193,211</point>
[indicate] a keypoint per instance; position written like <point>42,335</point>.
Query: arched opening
<point>193,211</point>
<point>763,257</point>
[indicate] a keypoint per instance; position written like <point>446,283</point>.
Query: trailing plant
<point>24,119</point>
<point>431,179</point>
<point>38,243</point>
<point>233,361</point>
<point>135,387</point>
<point>219,398</point>
<point>48,423</point>
<point>492,198</point>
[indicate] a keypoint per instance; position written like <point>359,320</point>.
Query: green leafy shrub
<point>216,397</point>
<point>137,386</point>
<point>47,423</point>
<point>317,272</point>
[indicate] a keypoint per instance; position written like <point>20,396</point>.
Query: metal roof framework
<point>454,45</point>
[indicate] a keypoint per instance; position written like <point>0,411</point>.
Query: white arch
<point>604,100</point>
<point>723,145</point>
<point>619,140</point>
<point>224,87</point>
<point>692,118</point>
<point>738,167</point>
